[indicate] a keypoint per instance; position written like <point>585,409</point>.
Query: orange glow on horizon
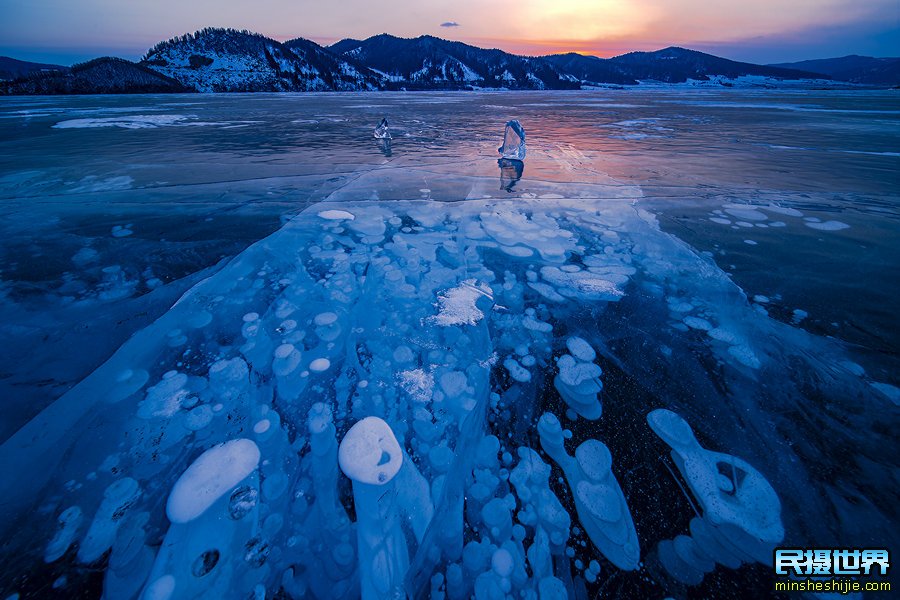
<point>607,28</point>
<point>599,48</point>
<point>601,28</point>
<point>526,47</point>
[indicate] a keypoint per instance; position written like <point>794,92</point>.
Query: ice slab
<point>513,146</point>
<point>381,130</point>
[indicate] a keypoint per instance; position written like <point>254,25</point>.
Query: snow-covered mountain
<point>227,60</point>
<point>428,62</point>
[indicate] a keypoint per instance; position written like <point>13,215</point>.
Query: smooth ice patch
<point>211,476</point>
<point>827,225</point>
<point>124,122</point>
<point>890,391</point>
<point>92,183</point>
<point>746,214</point>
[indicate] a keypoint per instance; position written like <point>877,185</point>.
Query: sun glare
<point>579,20</point>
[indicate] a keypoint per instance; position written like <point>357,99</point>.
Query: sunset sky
<point>764,31</point>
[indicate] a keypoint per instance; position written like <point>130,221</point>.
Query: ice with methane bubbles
<point>371,457</point>
<point>578,381</point>
<point>740,519</point>
<point>353,406</point>
<point>601,505</point>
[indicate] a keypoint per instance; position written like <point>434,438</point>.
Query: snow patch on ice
<point>457,305</point>
<point>418,383</point>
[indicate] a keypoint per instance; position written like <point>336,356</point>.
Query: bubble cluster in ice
<point>601,505</point>
<point>740,518</point>
<point>404,352</point>
<point>578,381</point>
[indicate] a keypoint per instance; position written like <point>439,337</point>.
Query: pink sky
<point>761,30</point>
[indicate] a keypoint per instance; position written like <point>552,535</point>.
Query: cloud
<point>450,24</point>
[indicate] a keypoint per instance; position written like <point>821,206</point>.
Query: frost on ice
<point>389,398</point>
<point>457,306</point>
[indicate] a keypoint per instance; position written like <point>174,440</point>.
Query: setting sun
<point>582,20</point>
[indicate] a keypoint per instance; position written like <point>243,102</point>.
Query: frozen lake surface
<point>630,367</point>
